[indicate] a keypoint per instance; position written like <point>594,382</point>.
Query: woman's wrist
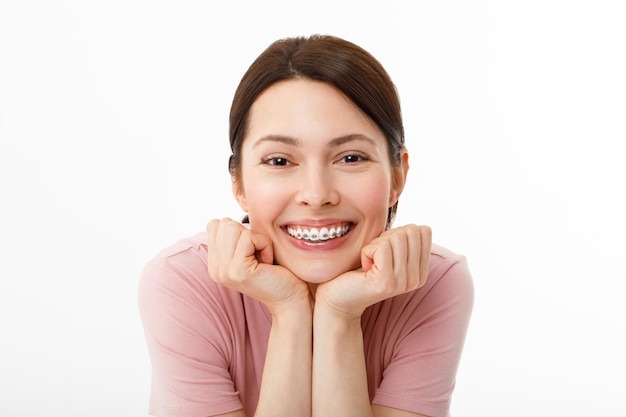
<point>336,318</point>
<point>293,310</point>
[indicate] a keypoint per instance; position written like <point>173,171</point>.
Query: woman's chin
<point>318,272</point>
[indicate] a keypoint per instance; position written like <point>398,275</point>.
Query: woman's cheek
<point>370,196</point>
<point>266,198</point>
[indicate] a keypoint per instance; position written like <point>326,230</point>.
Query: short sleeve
<point>188,337</point>
<point>421,373</point>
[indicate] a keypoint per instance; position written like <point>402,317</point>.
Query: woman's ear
<point>240,194</point>
<point>398,177</point>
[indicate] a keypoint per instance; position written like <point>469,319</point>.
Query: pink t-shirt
<point>207,343</point>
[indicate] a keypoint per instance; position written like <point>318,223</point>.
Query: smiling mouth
<point>321,234</point>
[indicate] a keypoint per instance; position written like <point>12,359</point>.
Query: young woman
<point>314,305</point>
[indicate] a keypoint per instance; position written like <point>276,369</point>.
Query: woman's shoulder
<point>441,252</point>
<point>443,259</point>
<point>448,275</point>
<point>450,280</point>
<point>178,276</point>
<point>183,248</point>
<point>183,260</point>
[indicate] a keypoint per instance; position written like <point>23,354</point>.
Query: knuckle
<point>383,290</point>
<point>233,273</point>
<point>413,231</point>
<point>412,228</point>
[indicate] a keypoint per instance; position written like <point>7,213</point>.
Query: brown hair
<point>346,66</point>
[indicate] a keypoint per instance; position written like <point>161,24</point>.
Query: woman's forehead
<point>304,109</point>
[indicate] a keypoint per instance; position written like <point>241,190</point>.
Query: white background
<point>114,142</point>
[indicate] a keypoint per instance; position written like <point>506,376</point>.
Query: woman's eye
<point>276,161</point>
<point>352,158</point>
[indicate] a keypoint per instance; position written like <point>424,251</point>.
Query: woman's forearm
<point>286,383</point>
<point>339,373</point>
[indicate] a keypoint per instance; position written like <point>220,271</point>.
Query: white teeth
<point>316,235</point>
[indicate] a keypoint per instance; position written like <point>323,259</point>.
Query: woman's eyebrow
<point>277,138</point>
<point>349,138</point>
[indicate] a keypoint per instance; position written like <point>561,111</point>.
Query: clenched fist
<point>243,260</point>
<point>394,263</point>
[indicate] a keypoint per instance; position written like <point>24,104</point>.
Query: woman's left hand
<point>394,263</point>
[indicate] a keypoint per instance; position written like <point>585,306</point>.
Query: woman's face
<point>315,178</point>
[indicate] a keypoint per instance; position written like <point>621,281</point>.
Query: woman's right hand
<point>244,261</point>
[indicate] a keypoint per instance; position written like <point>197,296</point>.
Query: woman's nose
<point>317,189</point>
